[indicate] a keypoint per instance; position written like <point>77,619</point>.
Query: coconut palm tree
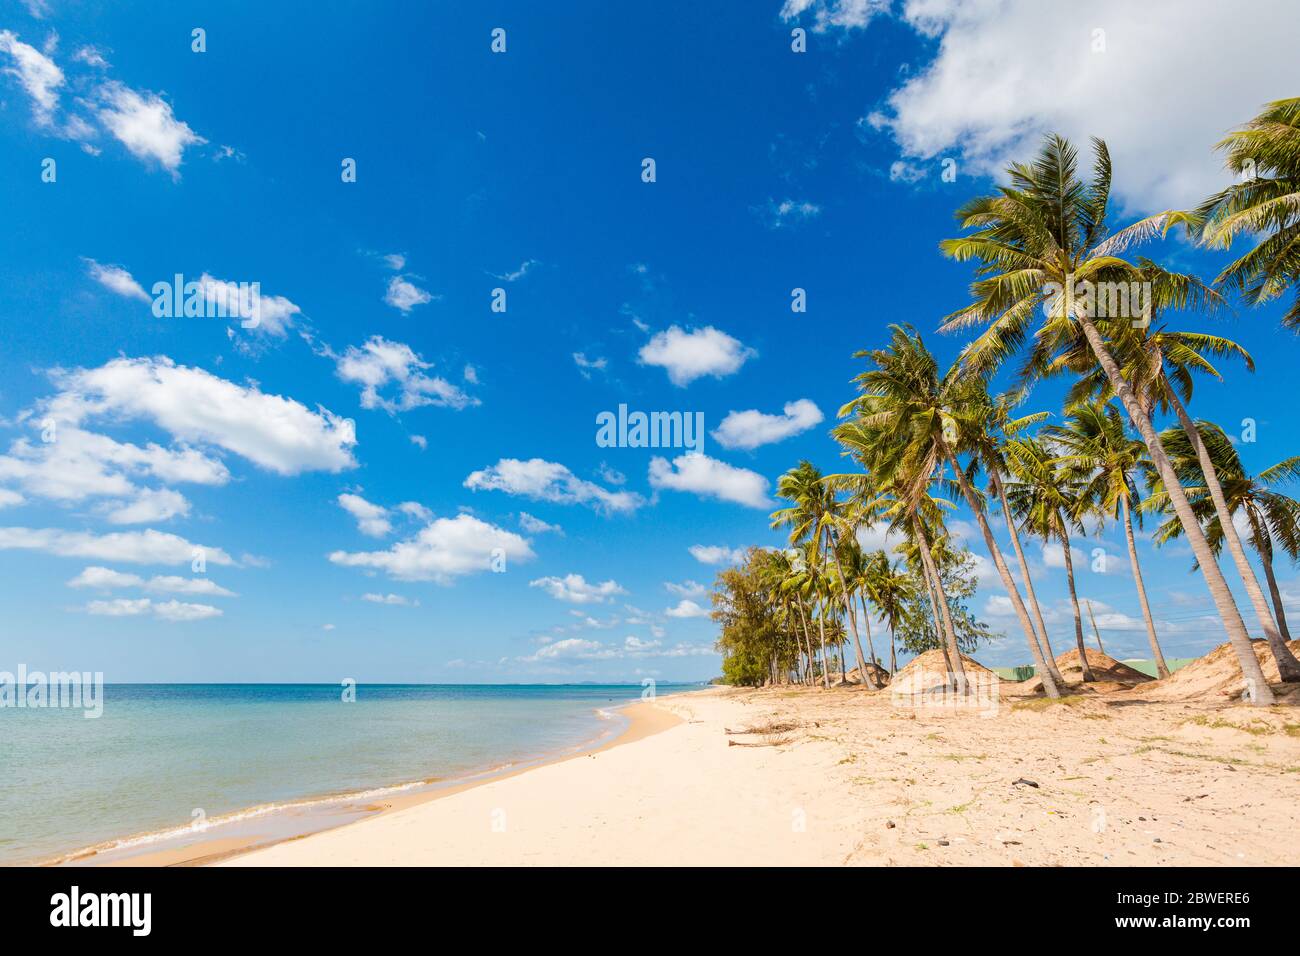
<point>988,425</point>
<point>1048,503</point>
<point>813,516</point>
<point>913,513</point>
<point>889,590</point>
<point>1100,453</point>
<point>925,420</point>
<point>1160,365</point>
<point>1263,206</point>
<point>1273,519</point>
<point>1038,240</point>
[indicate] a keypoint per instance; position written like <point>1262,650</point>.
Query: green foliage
<point>917,630</point>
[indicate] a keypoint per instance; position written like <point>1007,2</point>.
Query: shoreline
<point>798,776</point>
<point>331,811</point>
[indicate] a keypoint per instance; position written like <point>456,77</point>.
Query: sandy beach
<point>808,776</point>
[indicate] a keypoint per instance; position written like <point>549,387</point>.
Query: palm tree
<point>1037,240</point>
<point>889,591</point>
<point>1159,365</point>
<point>853,561</point>
<point>813,517</point>
<point>908,512</point>
<point>1048,503</point>
<point>1264,205</point>
<point>1101,453</point>
<point>989,425</point>
<point>924,421</point>
<point>1271,517</point>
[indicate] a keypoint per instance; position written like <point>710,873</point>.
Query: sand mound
<point>879,673</point>
<point>1215,675</point>
<point>928,671</point>
<point>1104,668</point>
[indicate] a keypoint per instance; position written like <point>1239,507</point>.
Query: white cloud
<point>787,211</point>
<point>133,547</point>
<point>117,279</point>
<point>846,14</point>
<point>586,366</point>
<point>537,525</point>
<point>710,478</point>
<point>517,274</point>
<point>1007,71</point>
<point>752,428</point>
<point>575,589</point>
<point>550,481</point>
<point>105,579</point>
<point>395,261</point>
<point>91,57</point>
<point>405,295</point>
<point>580,649</point>
<point>120,607</point>
<point>372,519</point>
<point>179,611</point>
<point>277,433</point>
<point>686,608</point>
<point>145,125</point>
<point>690,355</point>
<point>10,498</point>
<point>149,505</point>
<point>380,362</point>
<point>687,589</point>
<point>78,464</point>
<point>38,75</point>
<point>413,509</point>
<point>444,549</point>
<point>274,313</point>
<point>1054,557</point>
<point>716,554</point>
<point>393,600</point>
<point>174,584</point>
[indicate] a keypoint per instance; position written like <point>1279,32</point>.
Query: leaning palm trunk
<point>957,670</point>
<point>1162,669</point>
<point>1257,687</point>
<point>1045,652</point>
<point>1288,667</point>
<point>1088,676</point>
<point>1049,682</point>
<point>1267,561</point>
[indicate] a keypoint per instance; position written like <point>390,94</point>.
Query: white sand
<point>1143,783</point>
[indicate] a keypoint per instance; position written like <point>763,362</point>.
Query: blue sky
<point>349,465</point>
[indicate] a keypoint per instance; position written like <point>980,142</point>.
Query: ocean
<point>167,764</point>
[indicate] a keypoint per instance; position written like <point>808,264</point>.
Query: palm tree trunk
<point>1162,669</point>
<point>1046,652</point>
<point>1049,682</point>
<point>853,621</point>
<point>866,622</point>
<point>1257,688</point>
<point>1267,561</point>
<point>1288,667</point>
<point>893,657</point>
<point>953,651</point>
<point>803,619</point>
<point>821,626</point>
<point>1088,676</point>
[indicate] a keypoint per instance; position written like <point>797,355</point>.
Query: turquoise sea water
<point>163,756</point>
